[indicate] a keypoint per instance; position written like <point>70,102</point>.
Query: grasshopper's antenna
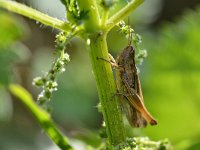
<point>129,33</point>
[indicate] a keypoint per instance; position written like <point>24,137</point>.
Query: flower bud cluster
<point>142,143</point>
<point>48,82</point>
<point>136,39</point>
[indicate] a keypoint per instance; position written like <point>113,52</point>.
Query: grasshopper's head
<point>127,55</point>
<point>130,51</point>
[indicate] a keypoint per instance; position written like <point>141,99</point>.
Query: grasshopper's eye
<point>132,51</point>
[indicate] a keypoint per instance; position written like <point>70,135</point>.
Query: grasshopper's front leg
<point>111,61</point>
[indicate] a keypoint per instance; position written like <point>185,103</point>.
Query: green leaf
<point>74,14</point>
<point>42,116</point>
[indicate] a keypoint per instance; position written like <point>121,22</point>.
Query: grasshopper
<point>129,88</point>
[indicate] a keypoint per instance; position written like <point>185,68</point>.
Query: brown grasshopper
<point>129,87</point>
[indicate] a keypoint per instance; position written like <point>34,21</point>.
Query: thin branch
<point>122,14</point>
<point>35,15</point>
<point>42,117</point>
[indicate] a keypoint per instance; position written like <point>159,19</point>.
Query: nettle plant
<point>90,20</point>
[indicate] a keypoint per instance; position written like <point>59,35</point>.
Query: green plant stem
<point>104,17</point>
<point>112,21</point>
<point>103,73</point>
<point>101,69</point>
<point>106,89</point>
<point>92,23</point>
<point>42,117</point>
<point>35,15</point>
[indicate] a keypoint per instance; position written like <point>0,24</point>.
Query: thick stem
<point>35,15</point>
<point>42,117</point>
<point>106,88</point>
<point>103,73</point>
<point>92,23</point>
<point>104,17</point>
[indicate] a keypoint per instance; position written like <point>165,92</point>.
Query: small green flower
<point>48,82</point>
<point>130,34</point>
<point>39,81</point>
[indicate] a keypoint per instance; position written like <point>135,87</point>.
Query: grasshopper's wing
<point>138,87</point>
<point>137,103</point>
<point>133,115</point>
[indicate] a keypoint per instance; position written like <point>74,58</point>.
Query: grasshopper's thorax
<point>127,66</point>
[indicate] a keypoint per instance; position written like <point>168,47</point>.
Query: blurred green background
<point>170,75</point>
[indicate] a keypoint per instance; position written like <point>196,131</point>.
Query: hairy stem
<point>42,117</point>
<point>124,12</point>
<point>103,73</point>
<point>92,23</point>
<point>106,89</point>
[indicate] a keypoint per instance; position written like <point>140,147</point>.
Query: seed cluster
<point>136,39</point>
<point>141,143</point>
<point>48,82</point>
